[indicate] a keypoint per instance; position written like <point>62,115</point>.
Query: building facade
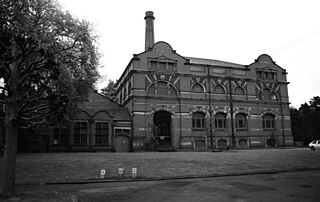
<point>98,124</point>
<point>194,103</point>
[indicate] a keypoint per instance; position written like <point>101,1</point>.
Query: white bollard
<point>102,173</point>
<point>134,172</point>
<point>120,172</point>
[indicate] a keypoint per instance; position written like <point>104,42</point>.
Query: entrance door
<point>162,128</point>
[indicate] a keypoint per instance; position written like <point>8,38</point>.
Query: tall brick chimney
<point>149,30</point>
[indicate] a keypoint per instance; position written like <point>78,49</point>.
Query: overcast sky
<point>236,31</point>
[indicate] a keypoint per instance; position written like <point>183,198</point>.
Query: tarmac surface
<point>241,175</point>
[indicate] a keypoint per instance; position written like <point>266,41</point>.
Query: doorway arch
<point>162,128</point>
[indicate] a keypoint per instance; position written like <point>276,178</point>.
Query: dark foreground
<point>287,186</point>
<point>243,175</point>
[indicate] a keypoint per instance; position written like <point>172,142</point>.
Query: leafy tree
<point>47,58</point>
<point>305,121</point>
<point>109,90</point>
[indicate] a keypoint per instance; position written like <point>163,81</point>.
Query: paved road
<point>287,186</point>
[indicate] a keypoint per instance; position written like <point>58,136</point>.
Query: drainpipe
<point>282,122</point>
<point>210,110</point>
<point>231,112</point>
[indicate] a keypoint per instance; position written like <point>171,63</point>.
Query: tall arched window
<point>269,95</point>
<point>162,89</point>
<point>197,88</point>
<point>268,122</point>
<point>220,121</point>
<point>198,121</point>
<point>241,121</point>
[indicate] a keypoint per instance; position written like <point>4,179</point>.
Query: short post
<point>120,172</point>
<point>134,172</point>
<point>102,173</point>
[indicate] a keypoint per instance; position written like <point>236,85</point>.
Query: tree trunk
<point>9,161</point>
<point>7,181</point>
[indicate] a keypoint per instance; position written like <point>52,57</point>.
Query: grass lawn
<point>34,168</point>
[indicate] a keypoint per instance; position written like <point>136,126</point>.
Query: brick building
<point>193,103</point>
<point>98,124</point>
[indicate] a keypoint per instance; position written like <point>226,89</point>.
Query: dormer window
<point>162,65</point>
<point>266,74</point>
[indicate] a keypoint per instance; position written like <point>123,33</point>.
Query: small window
<point>239,91</point>
<point>119,131</point>
<point>162,66</point>
<point>219,89</point>
<point>59,136</point>
<point>170,66</point>
<point>198,120</point>
<point>220,121</point>
<point>197,88</point>
<point>153,65</point>
<point>268,122</point>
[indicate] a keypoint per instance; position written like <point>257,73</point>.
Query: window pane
<point>170,66</point>
<point>239,91</point>
<point>162,66</point>
<point>198,119</point>
<point>153,65</point>
<point>268,121</point>
<point>162,89</point>
<point>220,121</point>
<point>219,89</point>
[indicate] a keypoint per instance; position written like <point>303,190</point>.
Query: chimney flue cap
<point>149,14</point>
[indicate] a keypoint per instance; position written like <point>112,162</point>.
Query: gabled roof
<point>98,103</point>
<point>212,62</point>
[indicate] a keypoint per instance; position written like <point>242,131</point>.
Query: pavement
<point>153,166</point>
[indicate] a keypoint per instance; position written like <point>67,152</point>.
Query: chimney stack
<point>149,30</point>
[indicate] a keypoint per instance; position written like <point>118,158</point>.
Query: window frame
<point>198,121</point>
<point>241,122</point>
<point>269,122</point>
<point>60,137</point>
<point>220,123</point>
<point>83,137</point>
<point>194,89</point>
<point>101,136</point>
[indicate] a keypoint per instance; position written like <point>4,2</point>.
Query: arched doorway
<point>162,128</point>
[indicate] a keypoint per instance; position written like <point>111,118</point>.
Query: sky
<point>236,31</point>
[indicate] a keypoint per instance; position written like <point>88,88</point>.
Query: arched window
<point>269,95</point>
<point>151,90</point>
<point>220,121</point>
<point>219,89</point>
<point>197,88</point>
<point>162,89</point>
<point>268,122</point>
<point>241,121</point>
<point>239,91</point>
<point>198,121</point>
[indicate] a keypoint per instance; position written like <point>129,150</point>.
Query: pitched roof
<point>212,62</point>
<point>97,102</point>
